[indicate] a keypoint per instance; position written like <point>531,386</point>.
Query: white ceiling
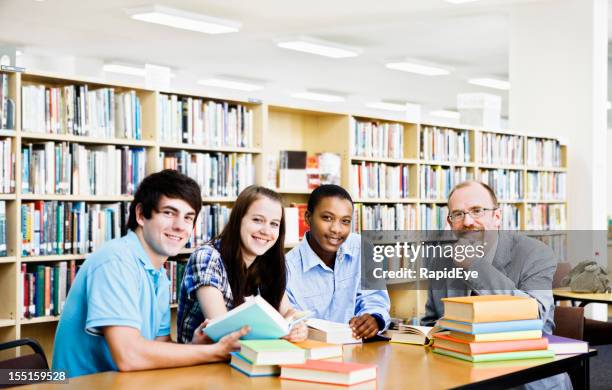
<point>471,38</point>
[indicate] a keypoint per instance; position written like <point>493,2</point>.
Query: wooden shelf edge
<point>51,258</point>
<point>39,320</point>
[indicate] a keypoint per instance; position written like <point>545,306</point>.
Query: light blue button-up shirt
<point>332,294</point>
<point>116,286</point>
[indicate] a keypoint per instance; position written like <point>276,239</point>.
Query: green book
<point>272,352</point>
<point>493,357</point>
<point>40,290</point>
<point>56,304</point>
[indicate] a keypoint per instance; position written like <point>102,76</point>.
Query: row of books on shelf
<point>45,287</point>
<point>7,105</point>
<point>372,139</point>
<point>440,144</point>
<point>207,123</point>
<point>379,180</point>
<point>546,217</point>
<point>384,217</point>
<point>543,152</point>
<point>79,110</point>
<point>218,174</point>
<point>175,270</point>
<point>7,166</point>
<point>71,168</point>
<point>57,228</point>
<point>546,186</point>
<point>299,171</point>
<point>507,184</point>
<point>437,181</point>
<point>503,149</point>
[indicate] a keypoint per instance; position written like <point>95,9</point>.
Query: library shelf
<point>85,140</point>
<point>8,133</point>
<point>501,166</point>
<point>212,149</point>
<point>293,191</point>
<point>219,199</point>
<point>386,200</point>
<point>52,258</point>
<point>6,322</point>
<point>546,169</point>
<point>39,320</point>
<point>8,196</point>
<point>386,160</point>
<point>449,163</point>
<point>7,259</point>
<point>77,198</point>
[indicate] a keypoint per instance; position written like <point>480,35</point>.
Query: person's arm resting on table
<point>372,313</point>
<point>113,311</point>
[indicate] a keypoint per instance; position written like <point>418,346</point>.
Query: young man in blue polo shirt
<point>324,271</point>
<point>117,313</point>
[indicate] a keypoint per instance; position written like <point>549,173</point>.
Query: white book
<point>330,332</point>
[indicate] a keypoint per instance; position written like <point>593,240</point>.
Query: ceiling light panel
<point>183,20</point>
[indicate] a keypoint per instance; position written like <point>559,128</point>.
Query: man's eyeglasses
<point>476,212</point>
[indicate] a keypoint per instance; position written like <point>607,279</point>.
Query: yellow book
<point>490,308</point>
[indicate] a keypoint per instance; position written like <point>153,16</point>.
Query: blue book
<point>247,367</point>
<point>266,323</point>
<point>490,327</point>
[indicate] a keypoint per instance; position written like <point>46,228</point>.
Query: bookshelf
<point>412,152</point>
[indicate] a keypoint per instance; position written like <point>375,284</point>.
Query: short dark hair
<point>474,182</point>
<point>168,183</point>
<point>326,191</point>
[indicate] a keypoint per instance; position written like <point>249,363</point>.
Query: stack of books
<point>262,357</point>
<point>491,328</point>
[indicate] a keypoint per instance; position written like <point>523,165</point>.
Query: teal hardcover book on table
<point>489,327</point>
<point>247,367</point>
<point>266,323</point>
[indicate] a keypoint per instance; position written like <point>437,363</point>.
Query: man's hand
<point>229,343</point>
<point>364,326</point>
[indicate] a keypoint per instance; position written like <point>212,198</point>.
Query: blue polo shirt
<point>116,286</point>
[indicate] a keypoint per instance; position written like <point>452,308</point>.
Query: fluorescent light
<point>445,114</point>
<point>18,53</point>
<point>413,67</point>
<point>318,96</point>
<point>183,20</point>
<point>491,83</point>
<point>319,47</point>
<point>459,1</point>
<point>608,105</point>
<point>124,69</point>
<point>230,84</point>
<point>387,106</point>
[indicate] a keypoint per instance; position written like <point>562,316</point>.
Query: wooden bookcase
<point>275,128</point>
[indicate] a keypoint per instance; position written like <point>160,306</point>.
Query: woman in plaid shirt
<point>247,258</point>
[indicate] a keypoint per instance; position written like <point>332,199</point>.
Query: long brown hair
<point>268,272</point>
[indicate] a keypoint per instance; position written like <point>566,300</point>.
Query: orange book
<point>490,308</point>
<point>471,348</point>
<point>324,371</point>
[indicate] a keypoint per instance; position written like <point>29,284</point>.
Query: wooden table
<point>400,366</point>
<point>584,298</point>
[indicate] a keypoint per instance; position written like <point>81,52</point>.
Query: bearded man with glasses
<point>513,264</point>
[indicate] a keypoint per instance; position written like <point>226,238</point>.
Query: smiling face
<point>474,197</point>
<point>330,225</point>
<point>168,229</point>
<point>259,228</point>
